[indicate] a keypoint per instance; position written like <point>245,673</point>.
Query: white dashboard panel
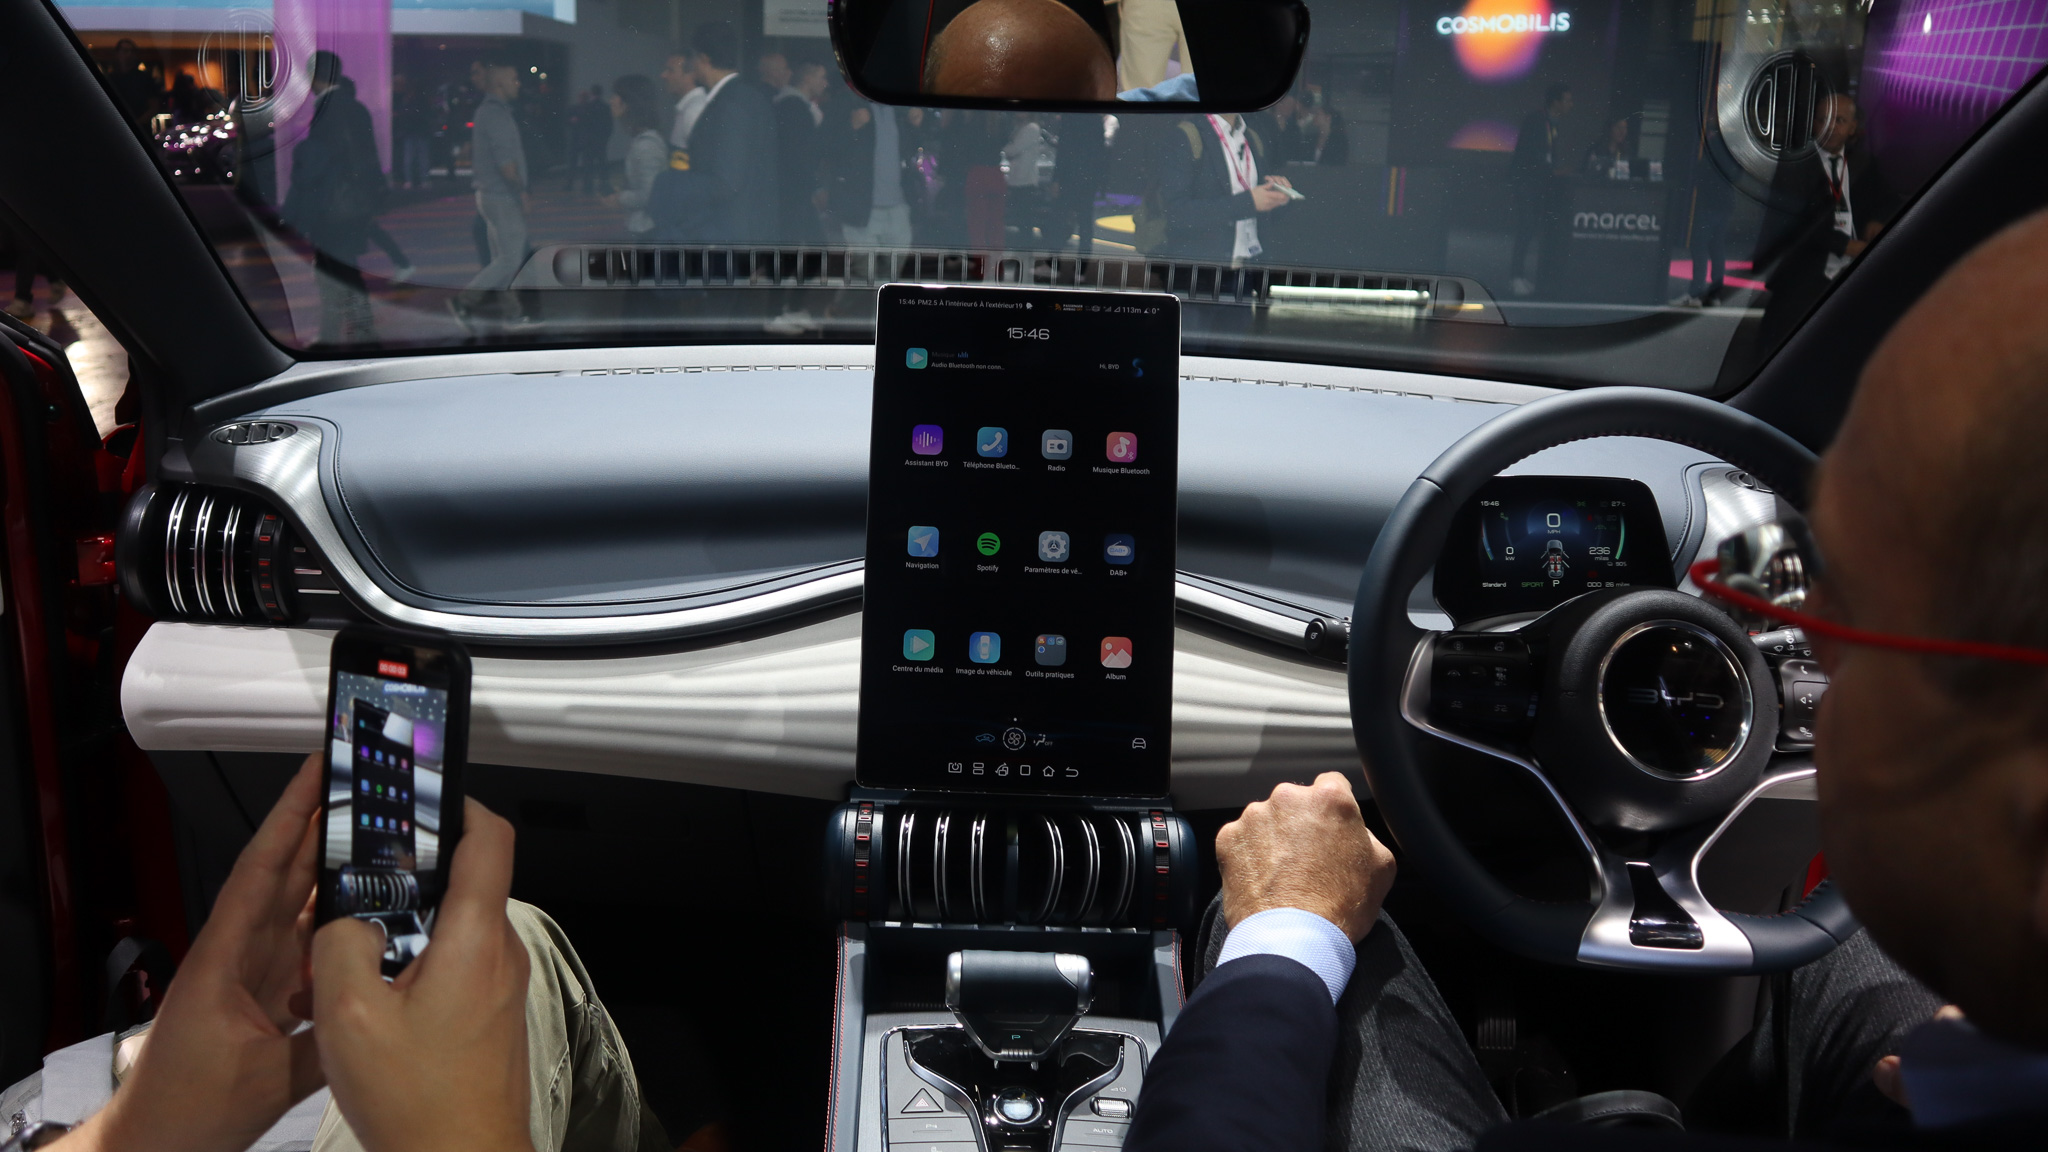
<point>773,713</point>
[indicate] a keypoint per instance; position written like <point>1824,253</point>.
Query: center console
<point>1006,969</point>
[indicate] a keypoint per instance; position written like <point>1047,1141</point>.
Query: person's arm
<point>1247,1063</point>
<point>644,160</point>
<point>225,1058</point>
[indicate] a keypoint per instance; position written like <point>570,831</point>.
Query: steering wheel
<point>1647,795</point>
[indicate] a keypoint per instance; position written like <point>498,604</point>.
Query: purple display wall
<point>1936,70</point>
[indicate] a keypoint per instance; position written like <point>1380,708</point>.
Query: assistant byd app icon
<point>1116,651</point>
<point>924,540</point>
<point>1050,650</point>
<point>1056,444</point>
<point>984,647</point>
<point>918,644</point>
<point>927,439</point>
<point>1054,547</point>
<point>992,442</point>
<point>1121,448</point>
<point>916,358</point>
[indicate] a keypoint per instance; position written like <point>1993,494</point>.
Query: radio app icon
<point>1056,444</point>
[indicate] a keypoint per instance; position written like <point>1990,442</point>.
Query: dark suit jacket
<point>1194,192</point>
<point>337,184</point>
<point>798,169</point>
<point>1535,159</point>
<point>850,162</point>
<point>1246,1067</point>
<point>1799,232</point>
<point>728,195</point>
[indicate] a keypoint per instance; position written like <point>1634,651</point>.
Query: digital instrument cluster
<point>1529,543</point>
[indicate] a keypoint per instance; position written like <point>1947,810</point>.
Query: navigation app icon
<point>918,644</point>
<point>924,540</point>
<point>1054,547</point>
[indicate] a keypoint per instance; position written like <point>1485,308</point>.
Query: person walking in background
<point>869,193</point>
<point>636,106</point>
<point>798,121</point>
<point>134,88</point>
<point>774,74</point>
<point>590,131</point>
<point>679,76</point>
<point>1083,166</point>
<point>411,124</point>
<point>374,232</point>
<point>1532,179</point>
<point>1713,201</point>
<point>720,187</point>
<point>1824,209</point>
<point>498,167</point>
<point>336,192</point>
<point>1028,161</point>
<point>1209,189</point>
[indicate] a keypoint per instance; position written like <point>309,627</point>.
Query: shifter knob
<point>1018,1005</point>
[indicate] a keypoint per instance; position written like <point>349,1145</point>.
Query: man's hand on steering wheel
<point>1306,848</point>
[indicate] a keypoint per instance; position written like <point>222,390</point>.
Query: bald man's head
<point>1020,50</point>
<point>1931,510</point>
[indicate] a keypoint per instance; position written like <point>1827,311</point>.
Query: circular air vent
<point>191,552</point>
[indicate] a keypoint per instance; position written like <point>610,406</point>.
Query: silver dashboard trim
<point>287,471</point>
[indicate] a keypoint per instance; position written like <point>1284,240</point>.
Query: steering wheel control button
<point>1674,700</point>
<point>1112,1109</point>
<point>1482,685</point>
<point>1017,1105</point>
<point>1801,684</point>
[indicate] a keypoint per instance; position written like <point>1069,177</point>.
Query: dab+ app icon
<point>916,358</point>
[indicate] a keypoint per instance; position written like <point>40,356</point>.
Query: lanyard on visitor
<point>1827,168</point>
<point>1239,159</point>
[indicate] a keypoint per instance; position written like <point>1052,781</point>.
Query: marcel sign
<point>1639,226</point>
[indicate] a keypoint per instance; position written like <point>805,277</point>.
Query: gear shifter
<point>1018,1005</point>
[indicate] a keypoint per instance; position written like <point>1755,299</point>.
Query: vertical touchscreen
<point>388,736</point>
<point>1017,633</point>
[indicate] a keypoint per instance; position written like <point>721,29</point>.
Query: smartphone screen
<point>1017,632</point>
<point>397,721</point>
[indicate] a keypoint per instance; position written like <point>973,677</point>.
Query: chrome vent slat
<point>174,524</point>
<point>201,527</point>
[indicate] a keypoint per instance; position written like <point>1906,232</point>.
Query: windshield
<point>1634,192</point>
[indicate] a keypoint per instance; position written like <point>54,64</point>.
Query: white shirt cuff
<point>1300,936</point>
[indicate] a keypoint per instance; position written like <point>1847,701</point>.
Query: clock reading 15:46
<point>1030,333</point>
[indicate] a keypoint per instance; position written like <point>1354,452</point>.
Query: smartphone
<point>1017,633</point>
<point>397,738</point>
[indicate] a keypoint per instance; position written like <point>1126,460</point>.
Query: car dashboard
<point>654,553</point>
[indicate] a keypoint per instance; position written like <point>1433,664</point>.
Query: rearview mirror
<point>1071,55</point>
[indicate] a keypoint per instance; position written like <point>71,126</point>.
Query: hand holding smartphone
<point>391,808</point>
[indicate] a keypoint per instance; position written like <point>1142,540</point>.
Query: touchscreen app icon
<point>1050,650</point>
<point>927,439</point>
<point>992,442</point>
<point>1054,547</point>
<point>1056,444</point>
<point>984,647</point>
<point>1116,651</point>
<point>924,540</point>
<point>1122,448</point>
<point>918,644</point>
<point>916,358</point>
<point>988,543</point>
<point>1119,548</point>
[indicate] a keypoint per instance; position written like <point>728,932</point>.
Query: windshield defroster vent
<point>199,553</point>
